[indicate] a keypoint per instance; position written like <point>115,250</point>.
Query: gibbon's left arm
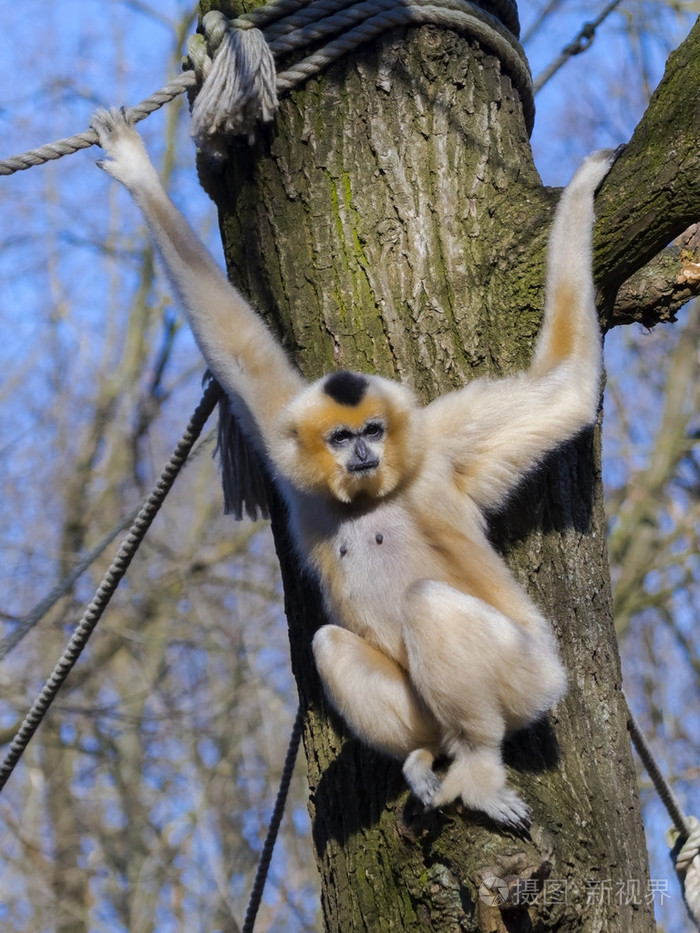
<point>498,430</point>
<point>242,354</point>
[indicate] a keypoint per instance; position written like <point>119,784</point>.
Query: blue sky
<point>67,57</point>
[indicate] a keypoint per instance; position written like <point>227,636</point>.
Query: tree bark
<point>393,221</point>
<point>661,288</point>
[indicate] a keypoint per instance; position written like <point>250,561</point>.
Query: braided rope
<point>110,581</point>
<point>263,867</point>
<point>71,144</point>
<point>476,23</point>
<point>687,864</point>
<point>663,788</point>
<point>282,16</point>
<point>235,62</point>
<point>290,25</point>
<point>685,840</point>
<point>327,17</point>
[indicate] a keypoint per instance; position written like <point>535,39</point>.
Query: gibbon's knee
<point>372,693</point>
<point>479,671</point>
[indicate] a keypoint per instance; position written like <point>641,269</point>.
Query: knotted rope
<point>686,861</point>
<point>684,836</point>
<point>233,63</point>
<point>235,58</point>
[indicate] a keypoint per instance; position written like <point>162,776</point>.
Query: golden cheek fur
<point>313,466</point>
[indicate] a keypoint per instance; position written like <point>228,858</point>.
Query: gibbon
<point>433,648</point>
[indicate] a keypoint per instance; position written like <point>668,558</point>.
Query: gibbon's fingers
<point>129,162</point>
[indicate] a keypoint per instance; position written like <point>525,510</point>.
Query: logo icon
<point>493,891</point>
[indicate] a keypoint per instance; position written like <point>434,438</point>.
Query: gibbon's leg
<point>375,697</point>
<point>480,674</point>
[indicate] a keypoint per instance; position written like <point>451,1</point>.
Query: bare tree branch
<point>657,292</point>
<point>651,195</point>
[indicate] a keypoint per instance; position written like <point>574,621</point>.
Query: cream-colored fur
<point>434,647</point>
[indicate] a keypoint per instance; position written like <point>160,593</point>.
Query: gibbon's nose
<point>361,449</point>
<point>362,458</point>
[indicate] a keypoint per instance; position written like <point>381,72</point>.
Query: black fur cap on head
<point>346,388</point>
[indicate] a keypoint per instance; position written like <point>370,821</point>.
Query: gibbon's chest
<point>365,564</point>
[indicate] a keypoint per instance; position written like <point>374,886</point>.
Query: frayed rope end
<point>239,88</point>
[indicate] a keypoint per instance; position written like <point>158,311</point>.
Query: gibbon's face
<point>350,436</point>
<point>358,452</point>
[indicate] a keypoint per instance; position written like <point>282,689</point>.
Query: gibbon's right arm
<point>500,429</point>
<point>241,353</point>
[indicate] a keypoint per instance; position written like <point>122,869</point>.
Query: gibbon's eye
<point>374,430</point>
<point>340,437</point>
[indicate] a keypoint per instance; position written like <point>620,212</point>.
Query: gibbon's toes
<point>507,808</point>
<point>502,806</point>
<point>420,777</point>
<point>427,789</point>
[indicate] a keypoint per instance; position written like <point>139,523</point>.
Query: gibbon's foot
<point>476,777</point>
<point>504,808</point>
<point>420,777</point>
<point>509,810</point>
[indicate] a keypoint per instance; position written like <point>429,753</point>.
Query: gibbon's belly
<point>366,569</point>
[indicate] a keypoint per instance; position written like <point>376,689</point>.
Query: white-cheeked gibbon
<point>433,648</point>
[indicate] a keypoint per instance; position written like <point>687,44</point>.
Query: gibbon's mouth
<point>366,467</point>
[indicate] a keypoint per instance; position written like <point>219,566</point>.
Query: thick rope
<point>110,581</point>
<point>685,840</point>
<point>273,829</point>
<point>663,788</point>
<point>446,13</point>
<point>686,861</point>
<point>281,16</point>
<point>235,61</point>
<point>241,89</point>
<point>71,144</point>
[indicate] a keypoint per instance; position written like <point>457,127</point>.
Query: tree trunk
<point>393,221</point>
